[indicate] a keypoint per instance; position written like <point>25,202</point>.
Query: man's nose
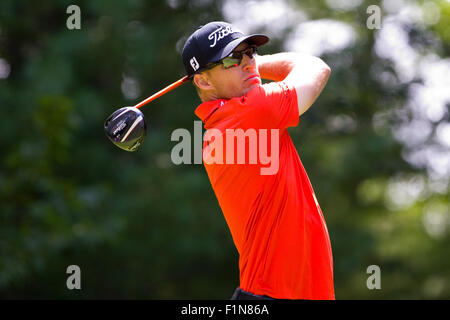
<point>248,64</point>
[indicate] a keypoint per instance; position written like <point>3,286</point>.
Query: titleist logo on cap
<point>219,34</point>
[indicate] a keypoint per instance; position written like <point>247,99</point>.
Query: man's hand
<point>308,74</point>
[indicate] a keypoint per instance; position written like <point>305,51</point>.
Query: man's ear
<point>202,81</point>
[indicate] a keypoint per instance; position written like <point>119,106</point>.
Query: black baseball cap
<point>213,42</point>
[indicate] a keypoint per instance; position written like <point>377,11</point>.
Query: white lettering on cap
<point>219,34</point>
<point>194,64</point>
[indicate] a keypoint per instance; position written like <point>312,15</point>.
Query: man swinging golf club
<point>275,220</point>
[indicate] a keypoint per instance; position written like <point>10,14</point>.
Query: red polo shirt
<point>275,220</point>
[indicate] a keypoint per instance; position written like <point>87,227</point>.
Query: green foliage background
<point>140,227</point>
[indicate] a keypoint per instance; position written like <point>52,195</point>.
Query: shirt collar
<point>206,109</point>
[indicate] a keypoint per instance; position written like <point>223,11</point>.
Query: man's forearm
<point>276,67</point>
<point>306,73</point>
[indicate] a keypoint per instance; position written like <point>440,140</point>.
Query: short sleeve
<point>272,105</point>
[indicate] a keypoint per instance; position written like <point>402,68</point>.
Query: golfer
<point>274,218</point>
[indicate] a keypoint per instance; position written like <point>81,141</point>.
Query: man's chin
<point>252,86</point>
<point>243,92</point>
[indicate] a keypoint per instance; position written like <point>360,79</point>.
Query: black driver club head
<point>126,128</point>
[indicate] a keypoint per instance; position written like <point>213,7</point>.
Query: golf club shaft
<point>174,85</point>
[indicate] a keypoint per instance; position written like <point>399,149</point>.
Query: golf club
<point>126,127</point>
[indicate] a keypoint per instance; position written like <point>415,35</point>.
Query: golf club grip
<point>174,85</point>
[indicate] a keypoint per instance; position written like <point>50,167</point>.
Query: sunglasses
<point>234,59</point>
